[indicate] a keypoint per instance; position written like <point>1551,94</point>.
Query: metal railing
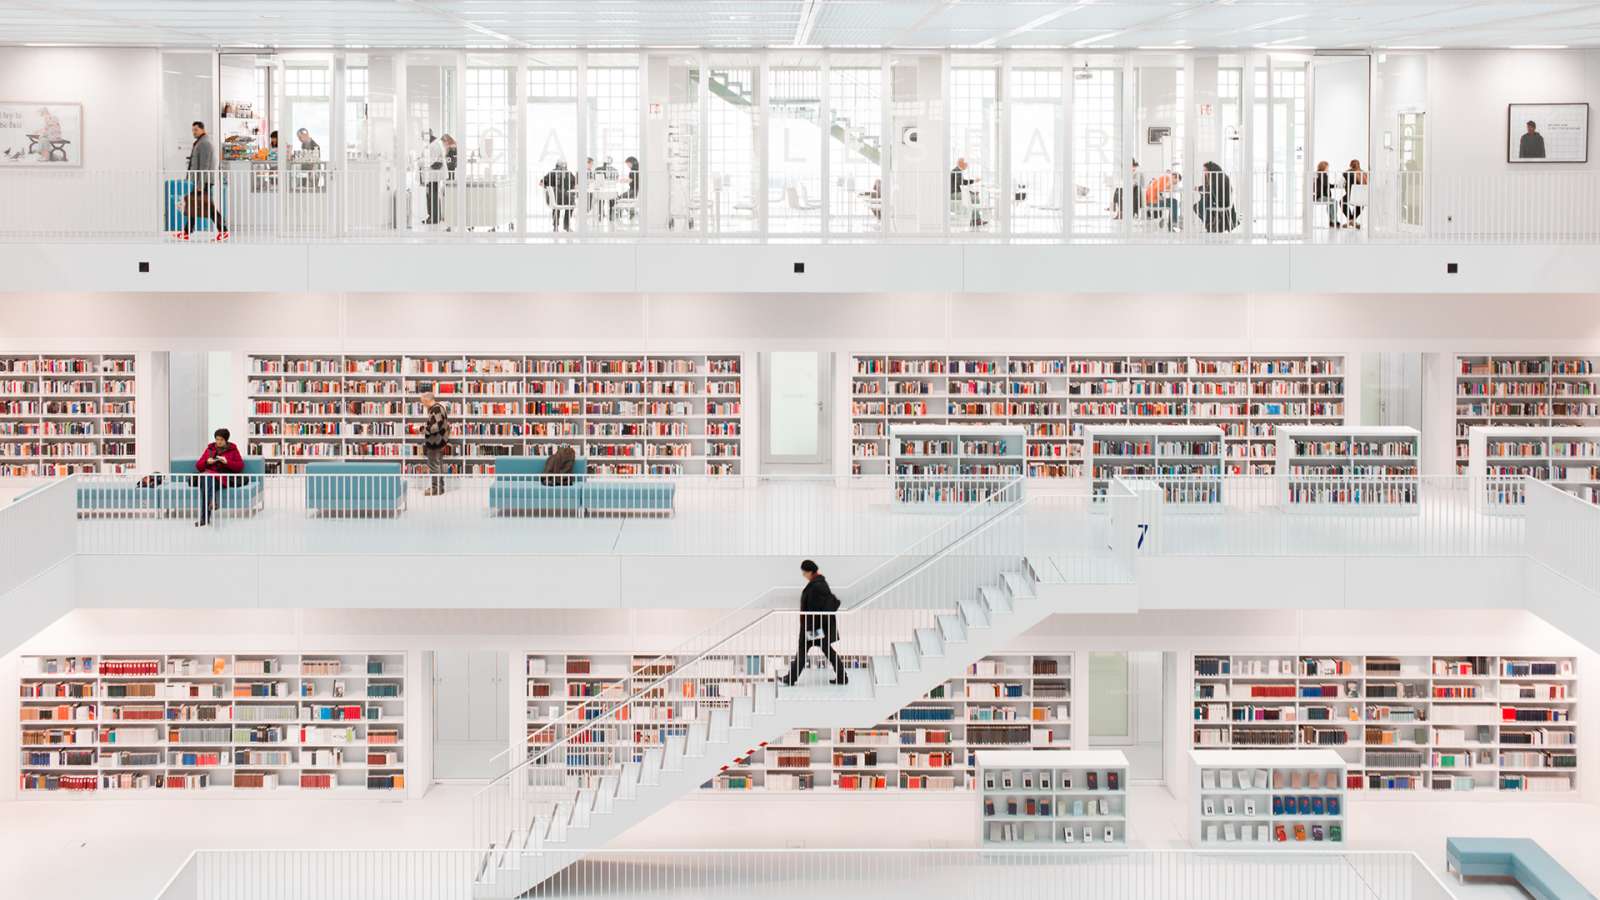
<point>301,203</point>
<point>798,874</point>
<point>719,669</point>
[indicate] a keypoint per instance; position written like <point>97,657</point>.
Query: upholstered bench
<point>177,494</point>
<point>519,488</point>
<point>624,496</point>
<point>355,489</point>
<point>1521,859</point>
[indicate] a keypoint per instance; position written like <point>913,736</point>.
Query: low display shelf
<point>1008,701</point>
<point>1564,456</point>
<point>1284,799</point>
<point>1402,724</point>
<point>1063,798</point>
<point>201,721</point>
<point>1185,460</point>
<point>66,414</point>
<point>1523,391</point>
<point>978,459</point>
<point>1350,467</point>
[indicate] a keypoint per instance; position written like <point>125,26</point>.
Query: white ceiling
<point>828,23</point>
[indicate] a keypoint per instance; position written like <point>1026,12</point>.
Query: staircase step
<point>766,697</point>
<point>929,644</point>
<point>672,759</point>
<point>628,783</point>
<point>696,746</point>
<point>557,832</point>
<point>582,807</point>
<point>743,710</point>
<point>606,795</point>
<point>974,613</point>
<point>951,629</point>
<point>1019,584</point>
<point>884,671</point>
<point>650,771</point>
<point>906,658</point>
<point>543,832</point>
<point>718,728</point>
<point>997,599</point>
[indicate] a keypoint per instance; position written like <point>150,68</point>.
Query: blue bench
<point>518,488</point>
<point>178,492</point>
<point>359,489</point>
<point>628,496</point>
<point>1520,859</point>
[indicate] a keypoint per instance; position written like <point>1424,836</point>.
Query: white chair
<point>565,208</point>
<point>793,200</point>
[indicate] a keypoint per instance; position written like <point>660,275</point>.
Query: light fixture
<point>1538,46</point>
<point>1096,39</point>
<point>1412,47</point>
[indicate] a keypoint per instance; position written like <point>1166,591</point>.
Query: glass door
<point>1412,132</point>
<point>795,429</point>
<point>1127,709</point>
<point>1279,129</point>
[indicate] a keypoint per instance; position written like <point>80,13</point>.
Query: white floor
<point>127,848</point>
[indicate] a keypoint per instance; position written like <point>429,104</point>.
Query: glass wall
<point>733,103</point>
<point>794,149</point>
<point>674,176</point>
<point>430,112</point>
<point>611,124</point>
<point>1278,136</point>
<point>975,176</point>
<point>552,134</point>
<point>855,144</point>
<point>918,195</point>
<point>1038,193</point>
<point>1100,165</point>
<point>1159,148</point>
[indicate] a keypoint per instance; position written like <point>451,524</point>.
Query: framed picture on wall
<point>35,133</point>
<point>1547,132</point>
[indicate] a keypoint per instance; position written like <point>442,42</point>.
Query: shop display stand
<point>978,459</point>
<point>1282,799</point>
<point>1402,724</point>
<point>1370,469</point>
<point>1567,457</point>
<point>66,414</point>
<point>317,722</point>
<point>1054,398</point>
<point>1188,452</point>
<point>1060,798</point>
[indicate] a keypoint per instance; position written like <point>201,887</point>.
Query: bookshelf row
<point>1009,701</point>
<point>1052,797</point>
<point>149,722</point>
<point>1527,391</point>
<point>1283,799</point>
<point>1055,397</point>
<point>66,414</point>
<point>1400,723</point>
<point>627,414</point>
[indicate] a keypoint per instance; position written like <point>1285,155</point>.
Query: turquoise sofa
<point>357,489</point>
<point>519,490</point>
<point>628,496</point>
<point>1521,859</point>
<point>178,492</point>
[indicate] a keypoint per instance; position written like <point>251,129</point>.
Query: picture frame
<point>41,133</point>
<point>1547,133</point>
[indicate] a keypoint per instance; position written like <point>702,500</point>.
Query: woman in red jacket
<point>220,460</point>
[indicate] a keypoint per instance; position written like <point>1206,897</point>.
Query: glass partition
<point>673,176</point>
<point>1158,133</point>
<point>918,195</point>
<point>552,136</point>
<point>1037,192</point>
<point>794,149</point>
<point>855,144</point>
<point>975,178</point>
<point>732,102</point>
<point>1100,165</point>
<point>486,167</point>
<point>430,110</point>
<point>370,140</point>
<point>611,123</point>
<point>1278,135</point>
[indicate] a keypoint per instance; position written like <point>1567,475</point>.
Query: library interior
<point>1103,449</point>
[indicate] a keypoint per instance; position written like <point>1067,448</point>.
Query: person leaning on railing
<point>821,631</point>
<point>217,466</point>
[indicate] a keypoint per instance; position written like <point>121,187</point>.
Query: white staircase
<point>589,818</point>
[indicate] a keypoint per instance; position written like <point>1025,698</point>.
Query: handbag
<point>150,482</point>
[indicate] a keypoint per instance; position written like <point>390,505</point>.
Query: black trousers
<point>210,487</point>
<point>806,644</point>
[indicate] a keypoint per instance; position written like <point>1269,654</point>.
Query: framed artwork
<point>34,133</point>
<point>1547,132</point>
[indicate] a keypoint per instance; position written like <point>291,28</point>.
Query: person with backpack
<point>435,441</point>
<point>820,631</point>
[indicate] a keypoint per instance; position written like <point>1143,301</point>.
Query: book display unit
<point>1187,452</point>
<point>66,414</point>
<point>1006,702</point>
<point>1567,457</point>
<point>1522,392</point>
<point>247,722</point>
<point>628,414</point>
<point>1054,398</point>
<point>1287,799</point>
<point>1369,468</point>
<point>1074,798</point>
<point>967,453</point>
<point>1401,723</point>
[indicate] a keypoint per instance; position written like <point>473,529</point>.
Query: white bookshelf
<point>1567,457</point>
<point>66,414</point>
<point>1186,452</point>
<point>964,453</point>
<point>1054,398</point>
<point>1401,723</point>
<point>247,723</point>
<point>1284,799</point>
<point>627,414</point>
<point>1004,702</point>
<point>1523,391</point>
<point>1352,467</point>
<point>1062,798</point>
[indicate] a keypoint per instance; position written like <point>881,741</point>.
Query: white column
<point>516,96</point>
<point>581,145</point>
<point>1002,143</point>
<point>1069,189</point>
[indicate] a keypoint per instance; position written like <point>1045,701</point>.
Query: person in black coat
<point>817,631</point>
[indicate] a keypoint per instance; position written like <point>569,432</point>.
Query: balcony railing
<point>368,203</point>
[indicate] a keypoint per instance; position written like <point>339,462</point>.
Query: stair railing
<point>710,680</point>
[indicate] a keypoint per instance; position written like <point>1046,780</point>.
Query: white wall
<point>1467,96</point>
<point>120,91</point>
<point>1340,112</point>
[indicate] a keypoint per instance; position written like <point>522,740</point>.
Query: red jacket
<point>231,460</point>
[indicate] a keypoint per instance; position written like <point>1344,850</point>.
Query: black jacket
<point>818,598</point>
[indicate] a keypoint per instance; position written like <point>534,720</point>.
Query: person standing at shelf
<point>820,630</point>
<point>202,177</point>
<point>435,441</point>
<point>217,466</point>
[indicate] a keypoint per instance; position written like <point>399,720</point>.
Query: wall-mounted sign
<point>41,134</point>
<point>1547,132</point>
